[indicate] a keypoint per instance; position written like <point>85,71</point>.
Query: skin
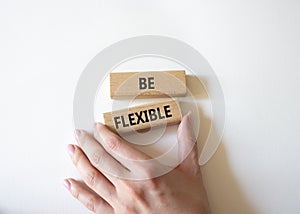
<point>181,190</point>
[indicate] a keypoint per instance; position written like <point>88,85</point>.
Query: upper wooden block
<point>147,84</point>
<point>143,116</point>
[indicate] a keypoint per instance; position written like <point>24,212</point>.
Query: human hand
<point>180,190</point>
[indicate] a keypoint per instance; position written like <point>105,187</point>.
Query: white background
<point>253,46</point>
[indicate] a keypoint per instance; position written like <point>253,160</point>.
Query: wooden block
<point>147,84</point>
<point>143,116</point>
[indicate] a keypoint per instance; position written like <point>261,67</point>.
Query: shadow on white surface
<point>223,189</point>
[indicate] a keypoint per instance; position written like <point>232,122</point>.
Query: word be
<point>143,83</point>
<point>124,85</point>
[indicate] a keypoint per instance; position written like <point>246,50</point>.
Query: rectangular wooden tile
<point>143,116</point>
<point>147,84</point>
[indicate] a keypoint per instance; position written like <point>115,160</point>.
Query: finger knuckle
<point>77,157</point>
<point>90,204</point>
<point>194,156</point>
<point>152,184</point>
<point>84,138</point>
<point>191,140</point>
<point>75,193</point>
<point>113,143</point>
<point>97,158</point>
<point>91,178</point>
<point>148,173</point>
<point>128,208</point>
<point>134,192</point>
<point>150,170</point>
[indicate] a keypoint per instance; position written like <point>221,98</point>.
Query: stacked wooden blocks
<point>136,85</point>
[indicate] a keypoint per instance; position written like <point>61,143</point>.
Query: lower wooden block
<point>144,116</point>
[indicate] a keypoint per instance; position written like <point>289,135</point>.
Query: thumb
<point>187,147</point>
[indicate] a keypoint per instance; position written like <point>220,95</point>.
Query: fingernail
<point>67,184</point>
<point>71,149</point>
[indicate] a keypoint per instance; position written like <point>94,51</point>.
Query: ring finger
<point>91,176</point>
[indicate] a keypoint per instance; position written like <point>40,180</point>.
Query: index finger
<point>117,146</point>
<point>99,157</point>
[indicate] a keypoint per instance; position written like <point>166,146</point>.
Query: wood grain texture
<point>162,84</point>
<point>144,116</point>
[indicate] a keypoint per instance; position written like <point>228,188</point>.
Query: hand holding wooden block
<point>147,84</point>
<point>143,116</point>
